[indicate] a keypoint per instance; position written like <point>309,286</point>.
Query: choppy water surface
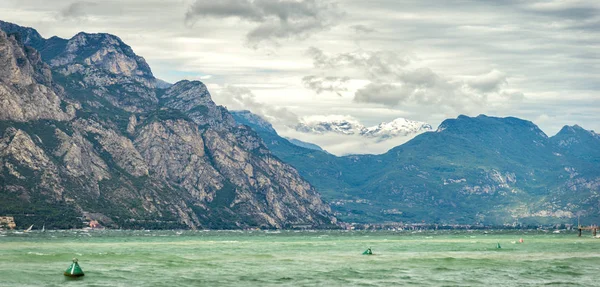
<point>288,258</point>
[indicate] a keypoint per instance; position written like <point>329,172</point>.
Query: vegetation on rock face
<point>114,147</point>
<point>471,170</point>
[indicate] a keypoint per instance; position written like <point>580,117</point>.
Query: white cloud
<point>328,118</point>
<point>326,84</point>
<point>399,80</point>
<point>338,144</point>
<point>492,81</point>
<point>242,98</point>
<point>77,10</point>
<point>276,19</point>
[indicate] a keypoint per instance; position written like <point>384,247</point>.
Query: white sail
<point>29,229</point>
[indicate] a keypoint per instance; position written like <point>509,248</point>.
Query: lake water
<point>288,258</point>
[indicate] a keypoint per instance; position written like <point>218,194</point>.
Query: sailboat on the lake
<point>29,229</point>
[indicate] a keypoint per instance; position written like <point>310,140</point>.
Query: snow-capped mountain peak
<point>347,125</point>
<point>397,127</point>
<point>335,123</point>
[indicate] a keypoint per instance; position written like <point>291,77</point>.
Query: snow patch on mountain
<point>397,127</point>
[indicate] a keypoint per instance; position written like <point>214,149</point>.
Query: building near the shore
<point>7,222</point>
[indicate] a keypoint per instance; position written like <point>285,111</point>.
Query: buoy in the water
<point>74,270</point>
<point>368,252</point>
<point>498,245</point>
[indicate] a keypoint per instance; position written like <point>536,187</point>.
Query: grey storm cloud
<point>362,29</point>
<point>376,63</point>
<point>578,10</point>
<point>77,10</point>
<point>492,81</point>
<point>326,84</point>
<point>242,98</point>
<point>394,81</point>
<point>401,56</point>
<point>276,19</point>
<point>439,94</point>
<point>386,94</point>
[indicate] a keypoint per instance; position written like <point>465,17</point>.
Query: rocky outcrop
<point>193,98</point>
<point>27,91</point>
<point>174,150</point>
<point>78,157</point>
<point>110,69</point>
<point>27,35</point>
<point>119,147</point>
<point>102,63</point>
<point>275,190</point>
<point>105,52</point>
<point>24,160</point>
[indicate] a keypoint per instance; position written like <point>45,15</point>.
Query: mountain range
<point>87,131</point>
<point>484,170</point>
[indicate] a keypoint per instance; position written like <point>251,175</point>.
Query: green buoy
<point>74,270</point>
<point>498,245</point>
<point>368,252</point>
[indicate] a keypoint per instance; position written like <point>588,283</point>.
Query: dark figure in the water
<point>368,252</point>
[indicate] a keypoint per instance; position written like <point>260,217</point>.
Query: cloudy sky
<point>372,61</point>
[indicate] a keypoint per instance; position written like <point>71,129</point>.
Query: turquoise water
<point>288,258</point>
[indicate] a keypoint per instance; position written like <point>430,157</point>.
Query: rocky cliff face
<point>107,67</point>
<point>91,134</point>
<point>100,63</point>
<point>102,51</point>
<point>193,99</point>
<point>28,36</point>
<point>27,91</point>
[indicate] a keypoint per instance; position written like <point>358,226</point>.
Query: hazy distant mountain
<point>471,170</point>
<point>304,144</point>
<point>90,131</point>
<point>399,127</point>
<point>576,141</point>
<point>261,125</point>
<point>250,119</point>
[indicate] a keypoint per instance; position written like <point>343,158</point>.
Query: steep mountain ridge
<point>320,168</point>
<point>104,64</point>
<point>304,144</point>
<point>470,170</point>
<point>27,35</point>
<point>263,126</point>
<point>99,50</point>
<point>193,99</point>
<point>132,155</point>
<point>248,118</point>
